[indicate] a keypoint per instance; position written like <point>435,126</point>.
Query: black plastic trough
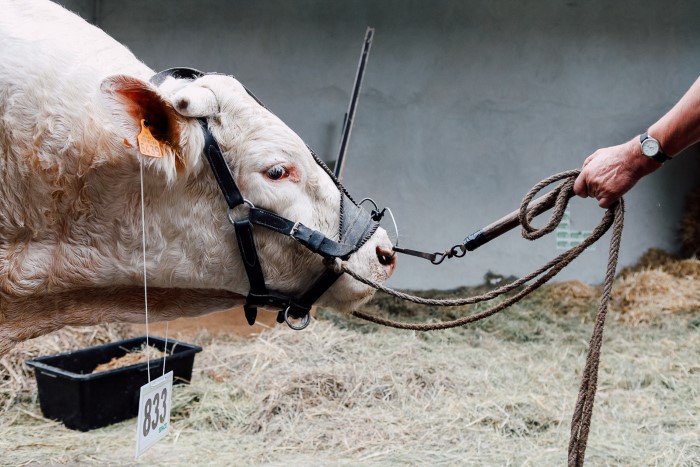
<point>82,400</point>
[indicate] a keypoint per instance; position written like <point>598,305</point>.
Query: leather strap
<point>310,238</point>
<point>356,224</point>
<point>251,263</point>
<point>300,307</point>
<point>212,151</point>
<point>220,167</point>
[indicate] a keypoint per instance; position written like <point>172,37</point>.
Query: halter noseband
<point>356,227</point>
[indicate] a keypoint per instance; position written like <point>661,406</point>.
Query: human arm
<point>609,173</point>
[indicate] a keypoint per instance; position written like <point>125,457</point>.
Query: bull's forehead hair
<point>255,130</point>
<point>264,135</point>
<point>220,90</point>
<point>245,127</point>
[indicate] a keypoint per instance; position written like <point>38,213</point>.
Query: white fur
<point>70,227</point>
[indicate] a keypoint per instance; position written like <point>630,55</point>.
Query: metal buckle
<point>297,327</point>
<point>230,212</point>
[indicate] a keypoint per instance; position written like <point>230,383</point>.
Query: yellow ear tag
<point>148,145</point>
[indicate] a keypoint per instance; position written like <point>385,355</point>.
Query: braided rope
<point>581,420</point>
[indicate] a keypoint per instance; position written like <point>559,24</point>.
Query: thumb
<point>605,203</point>
<point>580,186</point>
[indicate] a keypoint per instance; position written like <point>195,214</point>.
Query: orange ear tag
<point>148,145</point>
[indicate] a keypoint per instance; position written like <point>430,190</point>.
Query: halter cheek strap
<point>356,227</point>
<point>259,295</point>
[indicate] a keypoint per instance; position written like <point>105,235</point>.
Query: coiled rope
<point>581,420</point>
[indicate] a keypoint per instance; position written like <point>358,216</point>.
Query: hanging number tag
<point>154,412</point>
<point>148,145</point>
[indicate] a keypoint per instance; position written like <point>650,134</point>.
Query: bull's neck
<point>83,228</point>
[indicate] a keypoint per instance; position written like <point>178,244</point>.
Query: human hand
<point>609,173</point>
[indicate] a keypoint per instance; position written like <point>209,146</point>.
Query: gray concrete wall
<point>466,104</point>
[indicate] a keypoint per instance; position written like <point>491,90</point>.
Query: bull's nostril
<point>386,257</point>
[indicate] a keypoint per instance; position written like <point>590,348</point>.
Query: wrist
<point>651,148</point>
<point>665,138</point>
<point>642,164</point>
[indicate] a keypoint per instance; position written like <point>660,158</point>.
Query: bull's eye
<point>277,172</point>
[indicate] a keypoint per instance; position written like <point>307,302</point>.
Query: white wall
<point>466,104</point>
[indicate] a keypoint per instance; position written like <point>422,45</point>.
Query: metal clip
<point>377,215</point>
<point>456,251</point>
<point>437,258</point>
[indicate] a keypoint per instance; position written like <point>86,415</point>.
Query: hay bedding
<point>332,396</point>
<point>660,284</point>
<point>497,393</point>
<point>140,355</point>
<point>17,379</point>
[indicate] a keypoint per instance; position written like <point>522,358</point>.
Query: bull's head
<point>273,168</point>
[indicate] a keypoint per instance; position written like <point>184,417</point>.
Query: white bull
<point>71,103</point>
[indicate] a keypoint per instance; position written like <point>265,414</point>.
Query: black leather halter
<point>356,227</point>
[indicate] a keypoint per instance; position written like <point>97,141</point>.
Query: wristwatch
<point>652,148</point>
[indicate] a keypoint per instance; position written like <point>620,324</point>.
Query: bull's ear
<point>195,101</point>
<point>132,100</point>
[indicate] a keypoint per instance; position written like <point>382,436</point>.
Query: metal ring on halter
<point>376,208</point>
<point>229,214</point>
<point>396,227</point>
<point>297,327</point>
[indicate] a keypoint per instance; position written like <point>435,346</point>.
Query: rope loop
<point>614,216</point>
<point>563,192</point>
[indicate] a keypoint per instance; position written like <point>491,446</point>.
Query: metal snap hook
<point>230,212</point>
<point>297,327</point>
<point>438,258</point>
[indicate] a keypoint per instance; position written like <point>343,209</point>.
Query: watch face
<point>650,147</point>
